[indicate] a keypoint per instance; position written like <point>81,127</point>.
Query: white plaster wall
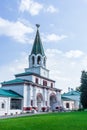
<point>7,110</point>
<point>58,96</point>
<point>34,70</point>
<point>38,70</point>
<point>5,101</point>
<point>71,104</point>
<point>49,84</point>
<point>44,72</point>
<point>76,105</point>
<point>40,81</point>
<point>28,77</point>
<point>28,95</point>
<point>14,112</point>
<point>38,90</point>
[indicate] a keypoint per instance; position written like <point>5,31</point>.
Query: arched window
<point>44,83</point>
<point>51,85</point>
<point>3,106</point>
<point>33,60</point>
<point>38,60</point>
<point>67,105</point>
<point>36,80</point>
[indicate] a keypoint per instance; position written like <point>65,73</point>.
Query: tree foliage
<point>78,88</point>
<point>83,89</point>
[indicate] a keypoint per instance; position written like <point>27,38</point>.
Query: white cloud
<point>19,31</point>
<point>74,54</point>
<point>52,9</point>
<point>66,71</point>
<point>34,8</point>
<point>30,6</point>
<point>16,30</point>
<point>53,37</point>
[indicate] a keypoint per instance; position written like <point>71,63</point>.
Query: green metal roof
<point>23,74</point>
<point>9,93</point>
<point>16,81</point>
<point>31,73</point>
<point>13,81</point>
<point>67,98</point>
<point>37,46</point>
<point>72,93</point>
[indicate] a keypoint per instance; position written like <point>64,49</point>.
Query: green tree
<point>78,88</point>
<point>83,89</point>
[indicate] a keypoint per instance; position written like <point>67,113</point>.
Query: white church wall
<point>25,96</point>
<point>40,81</point>
<point>49,84</point>
<point>28,77</point>
<point>33,70</point>
<point>28,95</point>
<point>14,112</point>
<point>3,109</point>
<point>71,105</point>
<point>76,103</point>
<point>58,96</point>
<point>44,72</point>
<point>39,90</point>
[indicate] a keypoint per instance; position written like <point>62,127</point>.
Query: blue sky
<point>63,29</point>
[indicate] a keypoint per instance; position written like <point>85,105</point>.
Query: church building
<point>32,89</point>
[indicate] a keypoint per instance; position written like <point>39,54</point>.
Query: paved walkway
<point>21,115</point>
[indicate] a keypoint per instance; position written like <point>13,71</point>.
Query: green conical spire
<point>37,46</point>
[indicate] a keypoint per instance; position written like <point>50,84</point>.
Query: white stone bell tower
<point>37,58</point>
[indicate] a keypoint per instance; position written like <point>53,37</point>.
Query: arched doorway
<point>53,101</point>
<point>39,101</point>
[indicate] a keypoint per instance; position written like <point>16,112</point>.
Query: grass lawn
<point>53,121</point>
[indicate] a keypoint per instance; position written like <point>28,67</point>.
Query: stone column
<point>27,98</point>
<point>8,107</point>
<point>48,98</point>
<point>44,100</point>
<point>41,61</point>
<point>44,97</point>
<point>35,60</point>
<point>34,98</point>
<point>58,95</point>
<point>76,103</point>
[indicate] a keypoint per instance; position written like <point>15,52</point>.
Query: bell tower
<point>37,58</point>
